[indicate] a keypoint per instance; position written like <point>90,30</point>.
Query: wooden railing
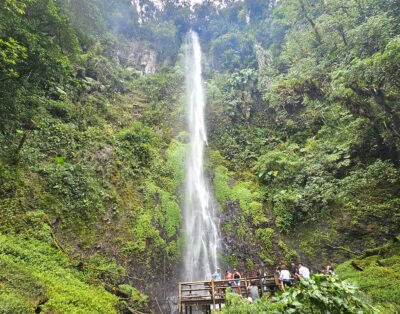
<point>212,293</point>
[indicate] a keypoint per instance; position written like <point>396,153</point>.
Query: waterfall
<point>200,219</point>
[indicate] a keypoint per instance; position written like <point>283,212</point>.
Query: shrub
<point>320,294</point>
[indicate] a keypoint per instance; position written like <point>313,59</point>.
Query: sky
<point>192,1</point>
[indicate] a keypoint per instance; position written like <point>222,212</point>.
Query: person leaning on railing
<point>236,283</point>
<point>228,276</point>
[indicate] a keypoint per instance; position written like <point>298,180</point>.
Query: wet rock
<point>137,56</point>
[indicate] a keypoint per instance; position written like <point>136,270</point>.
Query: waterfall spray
<point>200,219</point>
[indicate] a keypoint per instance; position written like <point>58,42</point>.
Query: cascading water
<point>200,220</point>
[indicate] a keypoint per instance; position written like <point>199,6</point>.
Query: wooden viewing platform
<point>205,296</point>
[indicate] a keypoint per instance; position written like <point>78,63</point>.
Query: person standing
<point>304,272</point>
<point>253,291</point>
<point>284,277</point>
<point>293,269</point>
<point>264,281</point>
<point>237,276</point>
<point>294,273</point>
<point>228,276</point>
<point>217,274</point>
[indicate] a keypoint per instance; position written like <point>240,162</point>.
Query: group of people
<point>288,276</point>
<point>234,282</point>
<point>234,278</point>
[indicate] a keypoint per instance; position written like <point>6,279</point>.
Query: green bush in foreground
<point>321,294</point>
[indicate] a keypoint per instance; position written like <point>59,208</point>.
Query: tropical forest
<point>149,147</point>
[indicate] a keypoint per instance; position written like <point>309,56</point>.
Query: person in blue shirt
<point>217,275</point>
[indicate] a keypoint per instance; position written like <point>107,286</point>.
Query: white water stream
<point>200,219</point>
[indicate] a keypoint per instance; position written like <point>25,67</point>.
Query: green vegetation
<point>303,115</point>
<point>321,294</point>
<point>377,274</point>
<point>313,115</point>
<point>245,192</point>
<point>88,174</point>
<point>36,275</point>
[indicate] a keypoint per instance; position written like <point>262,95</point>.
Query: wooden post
<point>180,298</point>
<point>262,287</point>
<point>277,282</point>
<point>165,290</point>
<point>213,294</point>
<point>276,277</point>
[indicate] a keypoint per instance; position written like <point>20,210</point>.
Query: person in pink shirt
<point>228,276</point>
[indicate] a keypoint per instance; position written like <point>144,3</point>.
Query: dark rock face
<point>242,249</point>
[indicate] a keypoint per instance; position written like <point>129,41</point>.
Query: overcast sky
<point>192,1</point>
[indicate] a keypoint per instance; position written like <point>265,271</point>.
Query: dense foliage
<point>315,120</point>
<point>320,294</point>
<point>87,172</point>
<point>303,114</point>
<point>306,120</point>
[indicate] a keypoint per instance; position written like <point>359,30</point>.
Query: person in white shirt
<point>304,272</point>
<point>284,277</point>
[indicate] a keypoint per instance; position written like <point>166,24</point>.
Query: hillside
<point>303,117</point>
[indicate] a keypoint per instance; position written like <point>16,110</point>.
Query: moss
<point>380,278</point>
<point>285,203</point>
<point>175,155</point>
<point>99,269</point>
<point>231,260</point>
<point>265,235</point>
<point>17,280</point>
<point>165,213</point>
<point>288,254</point>
<point>258,213</point>
<point>248,196</point>
<point>241,233</point>
<point>172,213</point>
<point>221,184</point>
<point>139,142</point>
<point>249,264</point>
<point>245,192</point>
<point>145,237</point>
<point>135,296</point>
<point>38,273</point>
<point>228,227</point>
<point>12,303</point>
